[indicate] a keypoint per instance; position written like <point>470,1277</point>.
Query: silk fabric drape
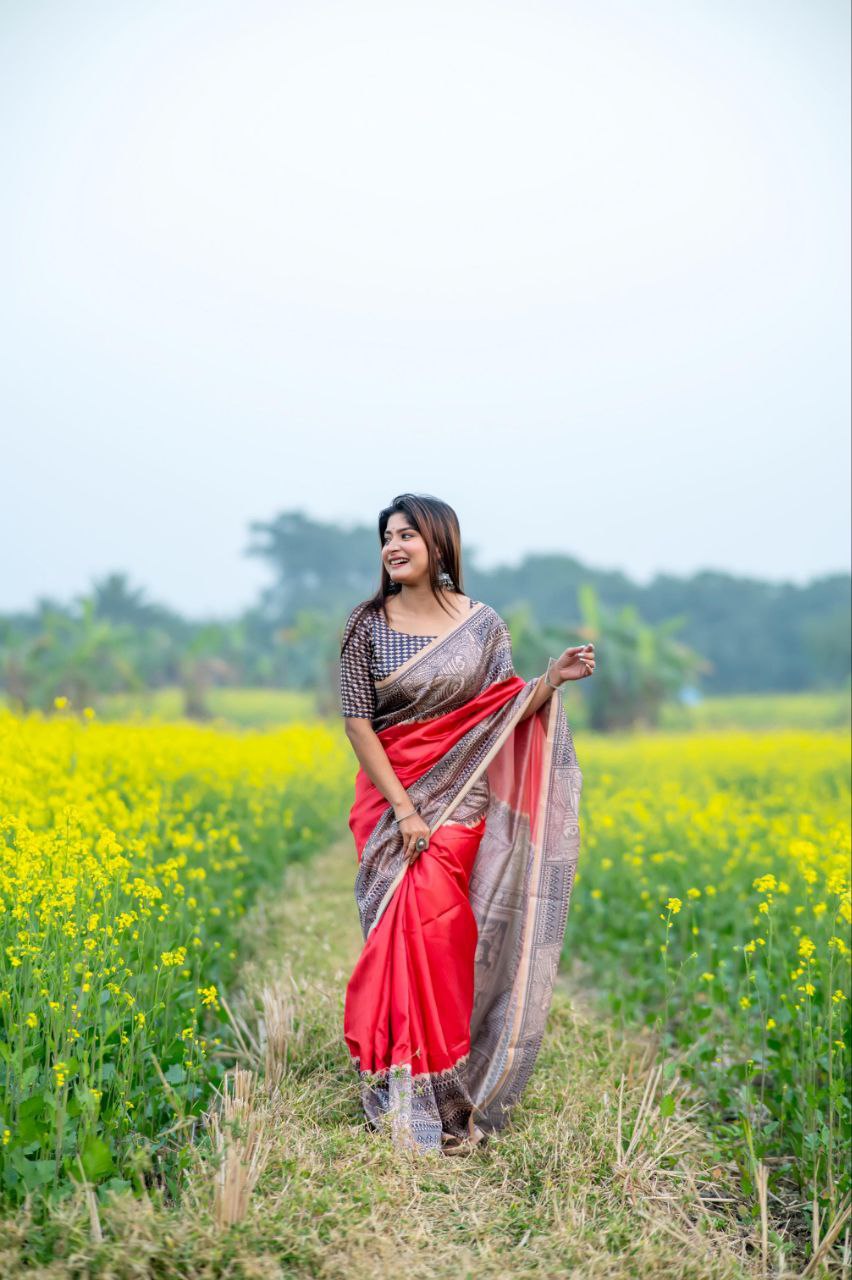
<point>446,1006</point>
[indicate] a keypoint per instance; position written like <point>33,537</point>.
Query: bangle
<point>414,811</point>
<point>549,684</point>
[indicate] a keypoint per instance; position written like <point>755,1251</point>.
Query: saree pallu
<point>446,1007</point>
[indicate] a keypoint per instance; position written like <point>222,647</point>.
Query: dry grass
<point>590,1179</point>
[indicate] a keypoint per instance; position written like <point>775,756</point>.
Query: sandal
<point>455,1147</point>
<point>452,1145</point>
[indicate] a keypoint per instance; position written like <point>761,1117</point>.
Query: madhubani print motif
<point>392,648</point>
<point>420,1108</point>
<point>448,673</point>
<point>443,790</point>
<point>372,651</point>
<point>520,892</point>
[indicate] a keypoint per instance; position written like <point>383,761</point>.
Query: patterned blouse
<point>374,653</point>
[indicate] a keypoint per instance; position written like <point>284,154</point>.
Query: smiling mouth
<point>395,564</point>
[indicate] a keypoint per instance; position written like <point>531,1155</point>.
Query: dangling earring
<point>444,580</point>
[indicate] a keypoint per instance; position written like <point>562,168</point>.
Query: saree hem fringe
<point>402,1068</point>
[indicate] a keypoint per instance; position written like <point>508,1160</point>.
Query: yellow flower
<point>770,1023</point>
<point>674,905</point>
<point>60,703</point>
<point>745,1003</point>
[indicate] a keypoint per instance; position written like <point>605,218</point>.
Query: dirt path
<point>557,1193</point>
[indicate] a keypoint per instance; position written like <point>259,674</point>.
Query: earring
<point>444,579</point>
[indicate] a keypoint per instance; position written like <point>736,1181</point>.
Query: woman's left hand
<point>574,664</point>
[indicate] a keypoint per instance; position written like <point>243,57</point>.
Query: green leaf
<point>96,1158</point>
<point>34,1173</point>
<point>30,1074</point>
<point>115,1184</point>
<point>31,1107</point>
<point>667,1105</point>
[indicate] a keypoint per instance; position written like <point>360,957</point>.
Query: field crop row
<point>127,855</point>
<point>713,901</point>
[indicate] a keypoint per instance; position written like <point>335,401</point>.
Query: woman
<point>466,826</point>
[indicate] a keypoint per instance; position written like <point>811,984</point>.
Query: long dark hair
<point>438,526</point>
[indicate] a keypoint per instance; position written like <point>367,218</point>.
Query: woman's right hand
<point>412,828</point>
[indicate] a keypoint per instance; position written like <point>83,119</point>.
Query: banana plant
<point>639,665</point>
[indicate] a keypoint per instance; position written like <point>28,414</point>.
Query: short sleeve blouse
<point>357,690</point>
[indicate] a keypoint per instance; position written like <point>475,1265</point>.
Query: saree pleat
<point>427,934</point>
<point>446,1007</point>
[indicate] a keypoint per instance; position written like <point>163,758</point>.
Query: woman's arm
<point>358,703</point>
<point>537,698</point>
<point>374,761</point>
<point>575,663</point>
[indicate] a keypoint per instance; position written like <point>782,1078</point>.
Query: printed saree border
<point>444,814</point>
<point>430,648</point>
<point>381,1075</point>
<point>521,984</point>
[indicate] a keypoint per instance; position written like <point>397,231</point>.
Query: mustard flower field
<point>127,855</point>
<point>713,902</point>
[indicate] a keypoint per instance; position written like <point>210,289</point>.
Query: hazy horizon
<point>266,577</point>
<point>581,271</point>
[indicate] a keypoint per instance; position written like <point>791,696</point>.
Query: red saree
<point>446,1007</point>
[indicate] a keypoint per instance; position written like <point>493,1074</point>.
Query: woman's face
<point>404,552</point>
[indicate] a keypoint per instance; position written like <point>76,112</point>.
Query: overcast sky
<point>580,269</point>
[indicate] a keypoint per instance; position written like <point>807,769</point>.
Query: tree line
<point>710,632</point>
